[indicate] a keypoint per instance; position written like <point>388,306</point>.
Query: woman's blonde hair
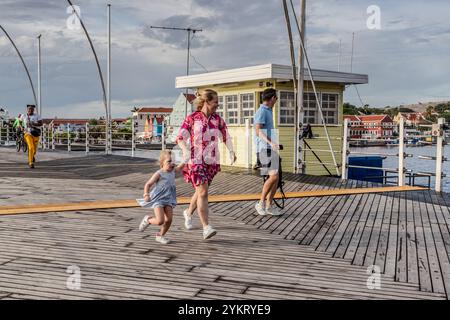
<point>206,96</point>
<point>163,155</point>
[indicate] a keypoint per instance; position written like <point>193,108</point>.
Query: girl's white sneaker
<point>162,240</point>
<point>187,220</point>
<point>144,223</point>
<point>209,232</point>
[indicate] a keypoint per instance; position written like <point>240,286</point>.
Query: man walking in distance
<point>32,121</point>
<point>267,153</point>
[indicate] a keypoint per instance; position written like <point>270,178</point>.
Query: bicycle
<point>21,143</point>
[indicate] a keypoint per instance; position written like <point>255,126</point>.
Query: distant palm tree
<point>135,109</point>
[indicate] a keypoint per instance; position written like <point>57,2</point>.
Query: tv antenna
<point>189,31</point>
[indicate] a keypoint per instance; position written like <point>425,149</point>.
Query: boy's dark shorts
<point>268,161</point>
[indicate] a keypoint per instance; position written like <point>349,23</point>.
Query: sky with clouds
<point>407,60</point>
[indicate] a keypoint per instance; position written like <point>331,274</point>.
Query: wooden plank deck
<point>320,248</point>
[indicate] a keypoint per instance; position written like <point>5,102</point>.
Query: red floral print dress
<point>204,134</point>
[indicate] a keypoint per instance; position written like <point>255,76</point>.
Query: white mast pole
<point>39,77</point>
<point>300,113</point>
<point>108,98</point>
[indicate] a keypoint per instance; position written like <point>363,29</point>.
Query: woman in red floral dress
<point>204,129</point>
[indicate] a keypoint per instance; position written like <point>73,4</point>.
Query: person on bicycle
<point>32,123</point>
<point>18,126</point>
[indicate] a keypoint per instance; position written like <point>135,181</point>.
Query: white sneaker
<point>274,211</point>
<point>144,224</point>
<point>187,220</point>
<point>162,240</point>
<point>260,209</point>
<point>209,232</point>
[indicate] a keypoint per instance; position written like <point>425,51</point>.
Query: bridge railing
<point>437,133</point>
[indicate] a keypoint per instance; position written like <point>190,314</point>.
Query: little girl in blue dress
<point>163,197</point>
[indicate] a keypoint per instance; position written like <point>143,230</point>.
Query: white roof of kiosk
<point>264,72</point>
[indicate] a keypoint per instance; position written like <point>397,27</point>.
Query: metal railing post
<point>439,154</point>
<point>248,142</point>
<point>163,137</point>
<point>110,134</point>
<point>69,147</point>
<point>87,138</point>
<point>106,137</point>
<point>7,134</point>
<point>401,153</point>
<point>133,137</point>
<point>345,147</point>
<point>53,137</point>
<point>43,137</point>
<point>42,140</point>
<point>48,136</point>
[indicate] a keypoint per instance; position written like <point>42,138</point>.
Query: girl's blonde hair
<point>206,96</point>
<point>163,155</point>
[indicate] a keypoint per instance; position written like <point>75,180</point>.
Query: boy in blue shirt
<point>267,153</point>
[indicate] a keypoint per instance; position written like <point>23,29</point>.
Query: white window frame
<point>224,109</point>
<point>241,108</point>
<point>338,99</point>
<point>238,116</point>
<point>279,109</point>
<point>316,110</point>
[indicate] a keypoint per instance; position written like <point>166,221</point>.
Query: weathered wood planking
<point>401,232</point>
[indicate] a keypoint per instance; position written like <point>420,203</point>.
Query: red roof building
<point>370,127</point>
<point>155,110</point>
<point>413,119</point>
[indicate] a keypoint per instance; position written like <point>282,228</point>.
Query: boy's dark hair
<point>269,94</point>
<point>31,106</point>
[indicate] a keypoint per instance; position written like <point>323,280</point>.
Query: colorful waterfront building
<point>240,93</point>
<point>371,126</point>
<point>412,119</point>
<point>149,121</point>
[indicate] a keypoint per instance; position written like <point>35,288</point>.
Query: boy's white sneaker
<point>187,220</point>
<point>274,211</point>
<point>209,232</point>
<point>260,209</point>
<point>144,224</point>
<point>162,240</point>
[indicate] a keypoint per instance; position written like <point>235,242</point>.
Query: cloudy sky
<point>407,60</point>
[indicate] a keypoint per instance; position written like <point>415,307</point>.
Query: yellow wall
<point>286,133</point>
